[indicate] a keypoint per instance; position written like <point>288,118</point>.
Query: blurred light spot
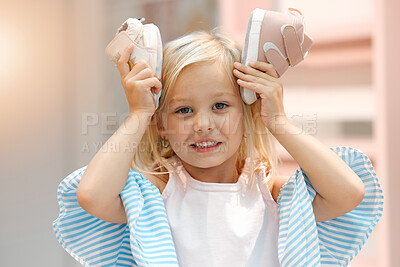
<point>9,55</point>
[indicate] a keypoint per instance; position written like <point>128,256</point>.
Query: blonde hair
<point>195,47</point>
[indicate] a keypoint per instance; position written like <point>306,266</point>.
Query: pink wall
<point>386,58</point>
<point>374,52</point>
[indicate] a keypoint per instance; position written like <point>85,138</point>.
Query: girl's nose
<point>203,122</point>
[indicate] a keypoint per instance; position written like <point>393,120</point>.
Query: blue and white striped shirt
<point>146,239</point>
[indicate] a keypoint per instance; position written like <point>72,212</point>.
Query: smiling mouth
<point>193,145</point>
<point>206,149</point>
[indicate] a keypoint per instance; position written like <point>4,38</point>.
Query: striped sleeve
<point>341,239</point>
<point>298,237</point>
<point>89,240</point>
<point>150,235</point>
<point>146,239</point>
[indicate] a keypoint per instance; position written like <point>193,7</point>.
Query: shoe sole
<point>253,36</point>
<point>158,70</point>
<point>159,53</point>
<point>250,49</point>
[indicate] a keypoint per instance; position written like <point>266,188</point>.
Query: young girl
<point>208,192</point>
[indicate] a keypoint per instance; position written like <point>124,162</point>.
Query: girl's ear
<point>161,133</point>
<point>160,128</point>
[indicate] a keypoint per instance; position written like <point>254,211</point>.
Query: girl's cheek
<point>225,124</point>
<point>236,124</point>
<point>183,127</point>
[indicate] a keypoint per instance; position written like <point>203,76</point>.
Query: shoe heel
<point>159,53</point>
<point>250,49</point>
<point>159,64</point>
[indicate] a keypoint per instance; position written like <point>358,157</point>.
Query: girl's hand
<point>138,83</point>
<point>262,78</point>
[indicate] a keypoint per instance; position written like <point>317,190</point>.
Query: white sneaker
<point>277,38</point>
<point>148,46</point>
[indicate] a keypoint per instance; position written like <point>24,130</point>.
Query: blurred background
<point>61,99</point>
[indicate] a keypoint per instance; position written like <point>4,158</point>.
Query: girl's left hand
<point>262,78</point>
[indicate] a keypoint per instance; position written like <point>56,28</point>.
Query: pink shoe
<point>277,38</point>
<point>148,46</point>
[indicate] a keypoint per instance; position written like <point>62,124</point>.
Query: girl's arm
<point>339,189</point>
<point>106,174</point>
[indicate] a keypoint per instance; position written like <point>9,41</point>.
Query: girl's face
<point>204,104</point>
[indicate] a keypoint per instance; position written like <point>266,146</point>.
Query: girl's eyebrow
<point>181,99</point>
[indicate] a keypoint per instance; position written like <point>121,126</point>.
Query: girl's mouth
<point>206,149</point>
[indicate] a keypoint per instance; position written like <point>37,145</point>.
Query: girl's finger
<point>260,86</point>
<point>250,78</point>
<point>138,67</point>
<point>144,74</point>
<point>251,86</point>
<point>154,83</point>
<point>255,72</point>
<point>122,64</point>
<point>264,67</point>
<point>263,90</point>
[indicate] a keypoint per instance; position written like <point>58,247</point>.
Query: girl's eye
<point>184,109</point>
<point>220,105</point>
<point>187,110</point>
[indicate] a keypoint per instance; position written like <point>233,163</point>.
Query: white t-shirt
<point>221,224</point>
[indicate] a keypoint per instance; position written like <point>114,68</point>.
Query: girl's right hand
<point>138,83</point>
